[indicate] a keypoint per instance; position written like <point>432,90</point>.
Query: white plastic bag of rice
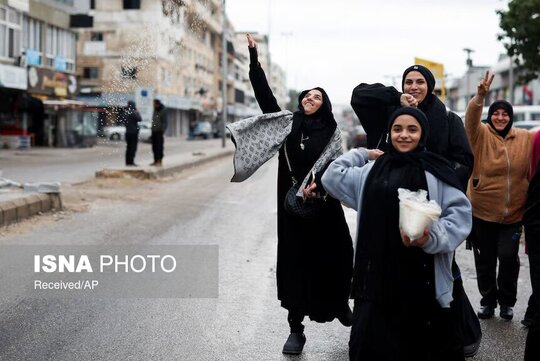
<point>415,212</point>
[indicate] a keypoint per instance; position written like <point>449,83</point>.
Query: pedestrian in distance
<point>314,256</point>
<point>402,288</point>
<point>531,223</point>
<point>132,119</point>
<point>498,191</point>
<point>159,125</point>
<point>374,103</point>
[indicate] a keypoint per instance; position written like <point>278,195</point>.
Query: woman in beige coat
<point>497,191</point>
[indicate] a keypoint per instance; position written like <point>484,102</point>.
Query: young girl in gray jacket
<point>402,288</point>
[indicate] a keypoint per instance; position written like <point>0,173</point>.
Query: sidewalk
<point>72,166</point>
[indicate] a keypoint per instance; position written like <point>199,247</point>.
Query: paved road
<point>244,323</point>
<point>72,165</point>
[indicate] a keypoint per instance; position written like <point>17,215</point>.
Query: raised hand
<point>407,100</point>
<point>251,42</point>
<point>485,83</point>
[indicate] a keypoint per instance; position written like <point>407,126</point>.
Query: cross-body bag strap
<point>289,163</point>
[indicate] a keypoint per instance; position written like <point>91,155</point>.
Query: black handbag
<point>309,208</point>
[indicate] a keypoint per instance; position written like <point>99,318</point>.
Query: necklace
<point>302,146</point>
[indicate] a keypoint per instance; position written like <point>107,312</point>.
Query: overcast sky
<point>338,44</point>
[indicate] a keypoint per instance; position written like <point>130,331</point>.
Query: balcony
<point>94,48</point>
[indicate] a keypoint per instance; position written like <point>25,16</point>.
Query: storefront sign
<point>144,98</point>
<point>50,82</point>
<point>12,77</point>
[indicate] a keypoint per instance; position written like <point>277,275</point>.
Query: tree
<point>521,26</point>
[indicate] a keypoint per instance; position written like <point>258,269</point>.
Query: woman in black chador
<point>314,256</point>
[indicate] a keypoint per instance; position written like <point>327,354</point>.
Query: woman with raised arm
<point>314,256</point>
<point>498,191</point>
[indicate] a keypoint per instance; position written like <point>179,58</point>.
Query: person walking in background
<point>531,223</point>
<point>314,256</point>
<point>132,119</point>
<point>497,190</point>
<point>159,125</point>
<point>402,288</point>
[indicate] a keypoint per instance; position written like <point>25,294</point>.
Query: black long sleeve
<point>459,151</point>
<point>373,104</point>
<point>265,98</point>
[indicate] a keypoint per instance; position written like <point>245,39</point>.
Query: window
<point>96,36</point>
<point>3,49</point>
<point>60,43</point>
<point>132,4</point>
<point>10,32</point>
<point>90,73</point>
<point>92,4</point>
<point>239,96</point>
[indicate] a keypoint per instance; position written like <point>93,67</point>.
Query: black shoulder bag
<point>309,208</point>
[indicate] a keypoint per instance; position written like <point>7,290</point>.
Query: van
<point>521,113</point>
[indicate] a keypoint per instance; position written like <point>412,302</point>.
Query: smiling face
<point>312,101</point>
<point>500,119</point>
<point>405,133</point>
<point>416,85</point>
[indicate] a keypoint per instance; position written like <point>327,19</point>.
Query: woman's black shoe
<point>507,312</point>
<point>486,312</point>
<point>294,344</point>
<point>527,321</point>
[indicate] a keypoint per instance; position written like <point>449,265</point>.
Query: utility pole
<point>224,74</point>
<point>511,79</point>
<point>469,66</point>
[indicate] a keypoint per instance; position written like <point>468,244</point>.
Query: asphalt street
<point>245,322</point>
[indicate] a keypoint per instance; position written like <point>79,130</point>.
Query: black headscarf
<point>323,117</point>
<point>435,111</point>
<point>379,240</point>
<point>507,107</point>
<point>426,73</point>
<point>318,127</point>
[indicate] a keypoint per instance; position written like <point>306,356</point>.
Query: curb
<point>28,205</point>
<point>157,172</point>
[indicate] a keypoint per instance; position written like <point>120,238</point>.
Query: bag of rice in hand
<point>416,213</point>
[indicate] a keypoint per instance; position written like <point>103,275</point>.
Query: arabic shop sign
<point>50,82</point>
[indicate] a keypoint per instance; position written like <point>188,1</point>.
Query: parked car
<point>118,132</point>
<point>203,129</point>
<point>357,137</point>
<point>528,124</point>
<point>521,113</point>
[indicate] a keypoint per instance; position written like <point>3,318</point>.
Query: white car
<point>118,132</point>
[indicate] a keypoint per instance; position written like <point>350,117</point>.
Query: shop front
<point>66,122</point>
<point>15,108</point>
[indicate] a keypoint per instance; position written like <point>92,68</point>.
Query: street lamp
<point>469,66</point>
<point>224,73</point>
